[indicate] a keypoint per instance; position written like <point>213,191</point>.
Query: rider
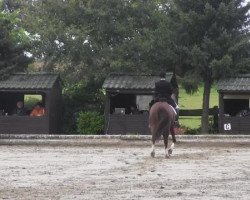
<point>164,90</point>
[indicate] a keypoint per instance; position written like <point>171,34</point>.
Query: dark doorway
<point>122,101</point>
<point>234,106</point>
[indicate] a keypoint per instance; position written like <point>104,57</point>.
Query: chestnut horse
<point>161,122</point>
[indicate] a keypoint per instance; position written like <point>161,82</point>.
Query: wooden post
<point>221,112</point>
<point>107,112</point>
<point>215,112</point>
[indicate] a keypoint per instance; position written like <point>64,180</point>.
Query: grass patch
<point>31,100</point>
<point>193,122</point>
<point>194,101</point>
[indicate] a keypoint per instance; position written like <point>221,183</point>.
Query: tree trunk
<point>205,107</point>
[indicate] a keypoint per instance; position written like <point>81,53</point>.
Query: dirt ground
<point>125,172</point>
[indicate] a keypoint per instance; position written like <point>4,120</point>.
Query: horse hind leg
<point>153,150</point>
<point>153,147</point>
<point>170,151</point>
<point>153,141</point>
<point>172,131</point>
<point>165,136</point>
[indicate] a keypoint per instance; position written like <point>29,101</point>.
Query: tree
<point>82,38</point>
<point>212,41</point>
<point>85,40</point>
<point>13,41</point>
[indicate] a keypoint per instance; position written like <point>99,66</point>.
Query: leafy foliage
<point>201,40</point>
<point>189,84</point>
<point>213,36</point>
<point>90,123</point>
<point>81,96</point>
<point>86,40</point>
<point>95,37</point>
<point>213,41</point>
<point>13,42</point>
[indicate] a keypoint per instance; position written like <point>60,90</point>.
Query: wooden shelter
<point>18,87</point>
<point>234,104</point>
<point>127,102</point>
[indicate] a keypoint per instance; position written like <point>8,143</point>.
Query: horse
<point>161,122</point>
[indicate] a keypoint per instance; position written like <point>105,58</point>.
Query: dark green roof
<point>24,81</point>
<point>241,83</point>
<point>132,82</point>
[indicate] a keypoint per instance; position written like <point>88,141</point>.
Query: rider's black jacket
<point>164,91</point>
<point>163,88</point>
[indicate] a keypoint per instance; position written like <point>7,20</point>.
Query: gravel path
<point>125,172</point>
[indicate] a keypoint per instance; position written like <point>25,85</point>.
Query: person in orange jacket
<point>38,110</point>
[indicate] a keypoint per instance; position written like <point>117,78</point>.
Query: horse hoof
<point>170,151</point>
<point>167,156</point>
<point>152,154</point>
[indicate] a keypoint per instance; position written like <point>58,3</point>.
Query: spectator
<point>38,110</point>
<point>19,110</point>
<point>134,110</point>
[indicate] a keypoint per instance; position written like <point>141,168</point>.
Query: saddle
<point>161,99</point>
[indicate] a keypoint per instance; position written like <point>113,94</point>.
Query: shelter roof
<point>240,83</point>
<point>133,81</point>
<point>22,81</point>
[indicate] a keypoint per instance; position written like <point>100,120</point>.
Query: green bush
<point>84,95</point>
<point>212,128</point>
<point>90,123</point>
<point>193,131</point>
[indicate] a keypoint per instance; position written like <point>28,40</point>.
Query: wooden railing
<point>214,112</point>
<point>197,112</point>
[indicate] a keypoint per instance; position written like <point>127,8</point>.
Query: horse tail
<point>163,124</point>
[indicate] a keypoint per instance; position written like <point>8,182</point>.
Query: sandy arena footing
<point>121,168</point>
